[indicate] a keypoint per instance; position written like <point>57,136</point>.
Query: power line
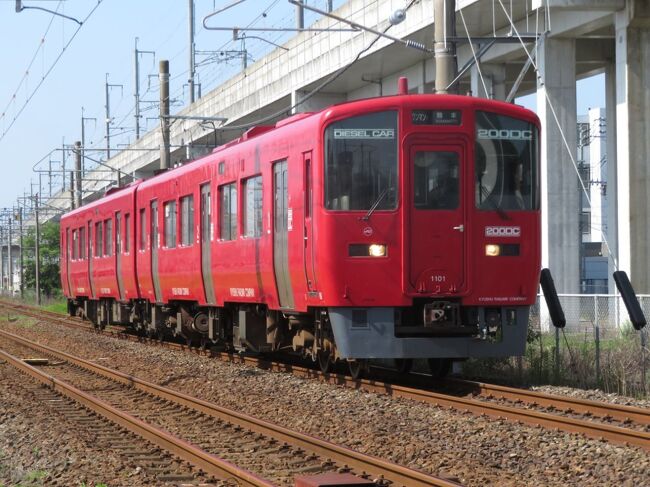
<point>50,69</point>
<point>31,63</point>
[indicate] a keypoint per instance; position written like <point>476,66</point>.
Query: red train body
<point>396,227</point>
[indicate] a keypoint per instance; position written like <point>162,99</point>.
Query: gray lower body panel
<point>377,338</point>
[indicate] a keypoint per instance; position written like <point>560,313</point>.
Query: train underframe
<point>438,330</point>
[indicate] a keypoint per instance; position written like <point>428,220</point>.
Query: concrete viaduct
<point>561,41</point>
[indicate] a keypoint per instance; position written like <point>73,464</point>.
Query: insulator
<point>417,45</point>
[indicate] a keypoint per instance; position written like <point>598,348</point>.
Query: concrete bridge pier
<point>632,80</point>
<point>560,198</point>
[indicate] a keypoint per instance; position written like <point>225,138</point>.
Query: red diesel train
<point>397,227</point>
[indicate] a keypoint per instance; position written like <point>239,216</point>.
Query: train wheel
<point>356,368</point>
<point>439,367</point>
<point>403,365</point>
<point>325,361</point>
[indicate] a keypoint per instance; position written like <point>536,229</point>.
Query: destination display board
<point>436,117</point>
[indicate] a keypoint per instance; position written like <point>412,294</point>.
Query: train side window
<point>82,243</point>
<point>108,237</point>
<point>74,245</point>
<point>99,239</point>
<point>253,207</point>
<point>118,233</point>
<point>170,224</point>
<point>143,229</point>
<point>187,220</point>
<point>228,211</point>
<point>90,240</point>
<point>127,233</point>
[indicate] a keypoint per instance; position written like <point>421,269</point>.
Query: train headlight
<point>492,250</point>
<point>377,250</point>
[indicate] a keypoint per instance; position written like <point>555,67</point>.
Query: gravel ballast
<point>475,450</point>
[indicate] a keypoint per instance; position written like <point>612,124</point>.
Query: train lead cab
<point>433,208</point>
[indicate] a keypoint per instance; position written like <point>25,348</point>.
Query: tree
<point>49,276</point>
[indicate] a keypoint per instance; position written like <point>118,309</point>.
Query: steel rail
<point>182,449</point>
<point>571,404</point>
<point>573,425</point>
<point>357,461</point>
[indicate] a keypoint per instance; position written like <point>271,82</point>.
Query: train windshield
<point>361,163</point>
<point>506,163</point>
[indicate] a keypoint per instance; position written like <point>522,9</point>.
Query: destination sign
<point>436,117</point>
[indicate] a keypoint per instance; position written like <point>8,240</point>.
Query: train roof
<point>111,195</point>
<point>350,108</point>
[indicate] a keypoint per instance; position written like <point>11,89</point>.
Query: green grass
<point>57,307</point>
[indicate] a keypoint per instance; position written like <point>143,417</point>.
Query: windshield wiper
<point>376,204</point>
<point>495,206</point>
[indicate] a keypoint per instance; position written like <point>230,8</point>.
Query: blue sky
<point>105,44</point>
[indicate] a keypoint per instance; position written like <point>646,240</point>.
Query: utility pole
<point>192,47</point>
<point>244,59</point>
<point>165,157</point>
<point>444,23</point>
<point>20,219</point>
<point>38,253</point>
<point>83,140</point>
<point>2,259</point>
<point>49,177</point>
<point>72,190</point>
<point>11,267</point>
<point>77,179</point>
<point>300,16</point>
<point>108,87</point>
<point>136,58</point>
<point>63,165</point>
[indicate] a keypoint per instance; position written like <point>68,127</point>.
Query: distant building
<point>592,164</point>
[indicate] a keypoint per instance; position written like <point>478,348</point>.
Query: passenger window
<point>253,207</point>
<point>74,244</point>
<point>228,211</point>
<point>108,237</point>
<point>118,233</point>
<point>143,229</point>
<point>82,243</point>
<point>187,220</point>
<point>170,224</point>
<point>99,239</point>
<point>127,233</point>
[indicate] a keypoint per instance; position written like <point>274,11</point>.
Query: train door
<point>308,224</point>
<point>206,240</point>
<point>437,217</point>
<point>118,253</point>
<point>90,258</point>
<point>155,240</point>
<point>282,225</point>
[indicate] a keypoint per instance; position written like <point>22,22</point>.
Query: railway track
<point>221,442</point>
<point>611,422</point>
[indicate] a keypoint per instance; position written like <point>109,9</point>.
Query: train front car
<point>430,227</point>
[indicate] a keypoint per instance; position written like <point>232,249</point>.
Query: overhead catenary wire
<point>559,125</point>
<point>476,60</point>
<point>322,85</point>
<point>50,69</point>
<point>41,46</point>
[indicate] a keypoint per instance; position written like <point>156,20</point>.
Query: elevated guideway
<point>566,40</point>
